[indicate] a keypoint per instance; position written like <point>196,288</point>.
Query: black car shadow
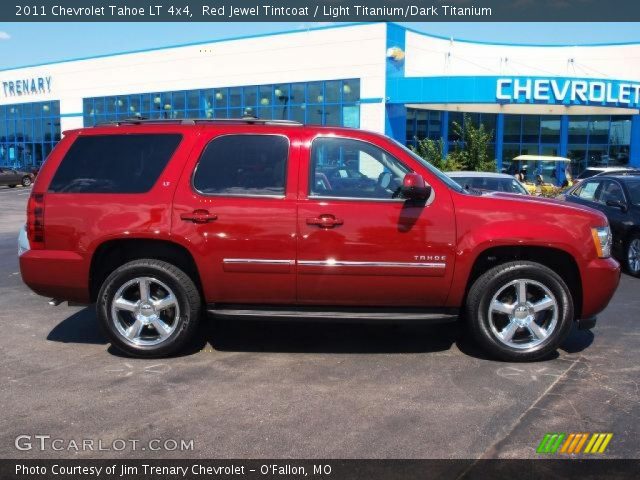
<point>81,327</point>
<point>234,334</point>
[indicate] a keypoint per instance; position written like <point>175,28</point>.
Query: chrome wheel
<point>633,256</point>
<point>523,313</point>
<point>145,311</point>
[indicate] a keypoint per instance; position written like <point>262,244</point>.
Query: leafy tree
<point>433,152</point>
<point>475,153</point>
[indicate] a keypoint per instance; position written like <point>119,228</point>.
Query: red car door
<point>361,245</point>
<point>235,207</point>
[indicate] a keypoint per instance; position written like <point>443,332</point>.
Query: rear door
<point>235,205</point>
<point>360,245</point>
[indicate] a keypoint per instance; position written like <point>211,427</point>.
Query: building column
<point>564,136</point>
<point>634,147</point>
<point>499,140</point>
<point>396,122</point>
<point>445,133</point>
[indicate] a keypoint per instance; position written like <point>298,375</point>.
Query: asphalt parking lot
<point>264,389</point>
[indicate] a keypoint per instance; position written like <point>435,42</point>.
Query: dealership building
<point>580,102</point>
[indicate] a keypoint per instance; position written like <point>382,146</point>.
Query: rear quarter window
<point>114,163</point>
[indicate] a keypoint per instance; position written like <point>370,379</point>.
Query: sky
<point>34,43</point>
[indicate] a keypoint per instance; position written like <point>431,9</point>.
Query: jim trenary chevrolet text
<point>158,221</point>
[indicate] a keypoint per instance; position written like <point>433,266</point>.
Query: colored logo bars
<point>574,442</point>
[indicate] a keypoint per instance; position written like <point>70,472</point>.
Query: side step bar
<point>439,315</point>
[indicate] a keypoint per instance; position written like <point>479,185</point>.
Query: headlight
<point>602,240</point>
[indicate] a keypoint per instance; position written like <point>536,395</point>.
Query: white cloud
<point>4,35</point>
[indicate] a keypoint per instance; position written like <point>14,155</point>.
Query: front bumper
<point>600,279</point>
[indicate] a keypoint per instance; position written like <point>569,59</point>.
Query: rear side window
<point>243,165</point>
<point>114,163</point>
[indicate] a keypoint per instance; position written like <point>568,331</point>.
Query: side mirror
<point>415,188</point>
<point>617,204</point>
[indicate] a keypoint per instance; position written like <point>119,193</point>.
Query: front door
<point>361,245</point>
<point>235,206</point>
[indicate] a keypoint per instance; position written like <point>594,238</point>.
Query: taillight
<point>35,221</point>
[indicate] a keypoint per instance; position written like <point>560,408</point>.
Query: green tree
<point>433,152</point>
<point>474,155</point>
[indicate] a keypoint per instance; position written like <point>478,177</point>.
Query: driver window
<point>611,192</point>
<point>347,168</point>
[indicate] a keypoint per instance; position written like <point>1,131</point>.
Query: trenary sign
<point>567,91</point>
<point>26,86</point>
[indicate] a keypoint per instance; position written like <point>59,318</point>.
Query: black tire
<point>26,181</point>
<point>187,314</point>
<point>497,280</point>
<point>631,242</point>
<point>12,186</point>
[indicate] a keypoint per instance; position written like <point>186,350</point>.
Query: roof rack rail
<point>195,121</point>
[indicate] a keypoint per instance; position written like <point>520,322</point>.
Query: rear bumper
<point>56,274</point>
<point>600,279</point>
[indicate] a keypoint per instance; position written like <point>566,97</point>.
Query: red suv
<point>155,221</point>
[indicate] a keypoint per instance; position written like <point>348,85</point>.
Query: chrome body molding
<point>343,263</point>
<point>263,261</point>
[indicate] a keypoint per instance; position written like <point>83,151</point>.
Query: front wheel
<point>149,308</point>
<point>520,311</point>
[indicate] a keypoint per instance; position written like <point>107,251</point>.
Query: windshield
<point>448,181</point>
<point>634,191</point>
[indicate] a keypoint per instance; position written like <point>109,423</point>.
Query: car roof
<point>472,174</point>
<point>542,158</point>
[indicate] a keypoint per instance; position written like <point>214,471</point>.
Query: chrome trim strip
<point>340,263</point>
<point>263,261</point>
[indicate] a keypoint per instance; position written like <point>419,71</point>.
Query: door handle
<point>199,216</point>
<point>325,221</point>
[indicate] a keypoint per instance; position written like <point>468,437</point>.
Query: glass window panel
<point>489,122</point>
<point>422,123</point>
<point>281,95</point>
<point>55,109</point>
<point>598,155</point>
<point>235,97</point>
<point>619,155</point>
<point>297,113</point>
<point>350,90</point>
<point>314,114</point>
<point>512,124</point>
<point>235,113</point>
<point>530,129</point>
<point>620,132</point>
<point>250,96</point>
<point>332,115</point>
<point>578,129</point>
<point>220,96</point>
<point>206,99</point>
<point>351,116</point>
<point>315,93</point>
<point>193,100</point>
<point>550,129</point>
<point>179,100</point>
<point>297,93</point>
<point>264,95</point>
<point>221,113</point>
<point>332,91</point>
<point>599,130</point>
<point>265,112</point>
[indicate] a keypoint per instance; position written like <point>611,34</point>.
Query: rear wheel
<point>26,181</point>
<point>149,308</point>
<point>520,311</point>
<point>632,262</point>
<point>12,186</point>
